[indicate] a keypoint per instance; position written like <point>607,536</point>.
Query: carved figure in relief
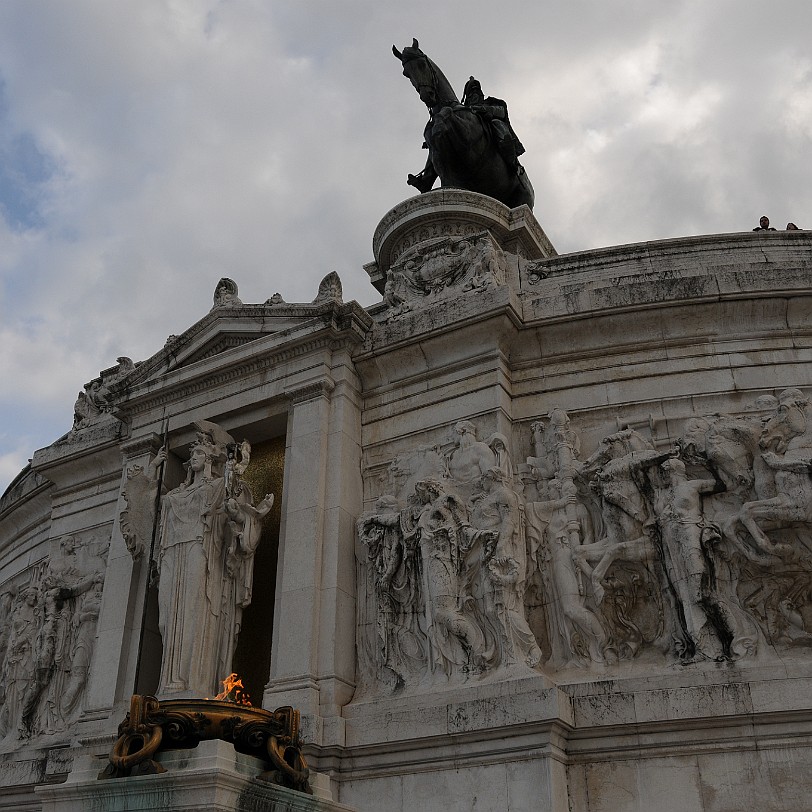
<point>621,565</point>
<point>616,469</point>
<point>504,567</point>
<point>394,295</point>
<point>702,551</point>
<point>470,459</point>
<point>789,433</point>
<point>485,264</point>
<point>731,445</point>
<point>208,536</point>
<point>498,443</point>
<point>81,652</point>
<point>18,673</point>
<point>566,524</point>
<point>63,584</point>
<point>754,584</point>
<point>6,603</point>
<point>445,537</point>
<point>399,644</point>
<point>544,461</point>
<point>686,536</point>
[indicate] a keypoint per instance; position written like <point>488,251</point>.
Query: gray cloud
<point>156,146</point>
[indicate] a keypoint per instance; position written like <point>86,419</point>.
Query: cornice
<point>448,315</point>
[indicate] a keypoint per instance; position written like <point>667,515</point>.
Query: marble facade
<point>546,524</point>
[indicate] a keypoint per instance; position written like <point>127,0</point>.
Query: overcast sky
<point>149,147</point>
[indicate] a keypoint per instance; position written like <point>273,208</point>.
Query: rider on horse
<point>494,113</point>
<point>471,143</point>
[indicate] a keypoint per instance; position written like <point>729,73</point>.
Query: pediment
<point>220,332</point>
<point>226,335</point>
<point>215,345</point>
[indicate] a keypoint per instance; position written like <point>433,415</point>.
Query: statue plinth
<point>212,775</point>
<point>420,221</point>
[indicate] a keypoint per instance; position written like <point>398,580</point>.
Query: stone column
<point>313,658</point>
<point>112,672</point>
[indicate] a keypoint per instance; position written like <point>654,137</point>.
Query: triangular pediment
<point>221,331</point>
<point>225,337</point>
<point>208,346</point>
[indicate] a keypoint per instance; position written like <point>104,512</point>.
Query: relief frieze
<point>633,555</point>
<point>48,618</point>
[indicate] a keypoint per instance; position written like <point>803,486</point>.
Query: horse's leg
<point>774,509</point>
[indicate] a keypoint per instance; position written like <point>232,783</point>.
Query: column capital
<point>147,444</point>
<point>310,391</point>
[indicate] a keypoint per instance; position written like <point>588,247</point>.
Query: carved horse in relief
<point>786,444</point>
<point>461,144</point>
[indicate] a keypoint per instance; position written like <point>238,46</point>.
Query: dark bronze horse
<point>463,151</point>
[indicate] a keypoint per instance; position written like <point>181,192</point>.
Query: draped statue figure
<point>208,531</point>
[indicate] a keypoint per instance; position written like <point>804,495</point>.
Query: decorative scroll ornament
<point>225,294</point>
<point>152,726</point>
<point>536,271</point>
<point>329,289</point>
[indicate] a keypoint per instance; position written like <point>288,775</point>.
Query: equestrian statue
<point>471,143</point>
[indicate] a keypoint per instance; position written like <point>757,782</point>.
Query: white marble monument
<point>542,534</point>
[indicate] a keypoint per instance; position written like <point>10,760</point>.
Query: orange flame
<point>234,691</point>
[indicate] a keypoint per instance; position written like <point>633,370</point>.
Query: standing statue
<point>209,530</point>
<point>471,145</point>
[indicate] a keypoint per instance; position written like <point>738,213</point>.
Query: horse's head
<point>788,422</point>
<point>426,78</point>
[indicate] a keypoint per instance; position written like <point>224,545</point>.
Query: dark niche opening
<point>252,656</point>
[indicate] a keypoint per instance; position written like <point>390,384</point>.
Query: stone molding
<point>136,447</point>
<point>341,316</point>
<point>310,391</point>
<point>172,393</point>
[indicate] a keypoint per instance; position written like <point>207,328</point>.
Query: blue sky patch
<point>24,174</point>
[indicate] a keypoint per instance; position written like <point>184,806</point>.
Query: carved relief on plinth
<point>443,566</point>
<point>695,551</point>
<point>50,624</point>
<point>443,267</point>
